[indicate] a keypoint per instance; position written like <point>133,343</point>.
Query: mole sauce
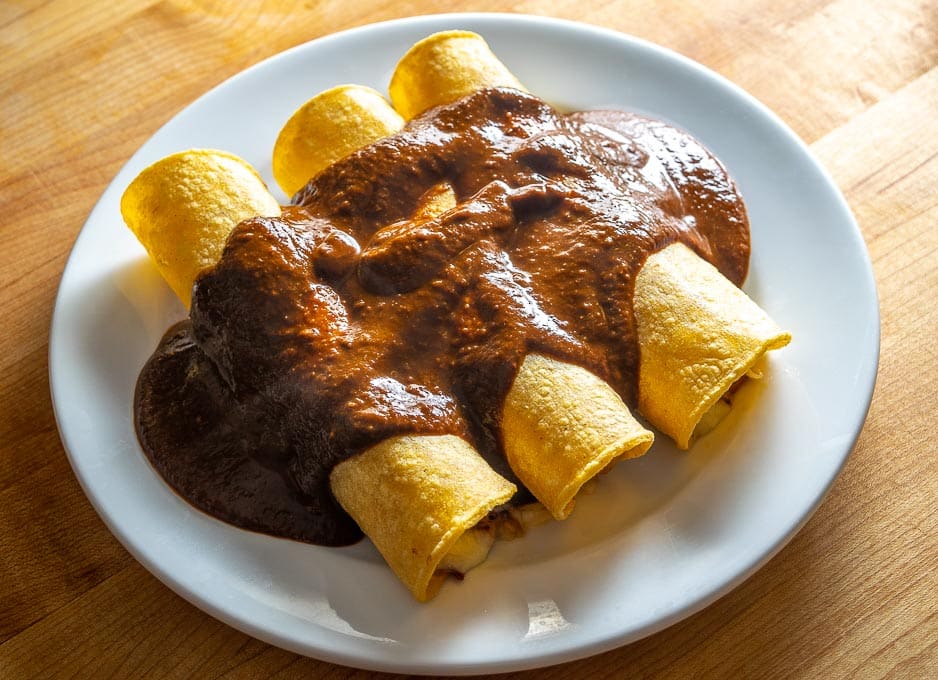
<point>347,320</point>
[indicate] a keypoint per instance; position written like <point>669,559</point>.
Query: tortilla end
<point>686,436</point>
<point>328,127</point>
<point>183,207</point>
<point>444,67</point>
<point>698,334</point>
<point>626,448</point>
<point>561,426</point>
<point>414,496</point>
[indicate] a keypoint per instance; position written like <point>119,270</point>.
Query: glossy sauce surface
<point>347,320</point>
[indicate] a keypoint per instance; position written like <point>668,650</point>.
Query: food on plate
<point>447,327</point>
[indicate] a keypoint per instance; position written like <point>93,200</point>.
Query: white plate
<point>659,539</point>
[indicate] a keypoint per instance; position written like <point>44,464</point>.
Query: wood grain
<point>855,594</point>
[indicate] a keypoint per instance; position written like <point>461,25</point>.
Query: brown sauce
<point>345,322</point>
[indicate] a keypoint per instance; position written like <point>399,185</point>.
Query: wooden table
<point>854,594</point>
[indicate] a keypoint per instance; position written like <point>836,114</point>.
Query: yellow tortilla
<point>183,207</point>
<point>445,67</point>
<point>698,334</point>
<point>328,127</point>
<point>415,497</point>
<point>562,426</point>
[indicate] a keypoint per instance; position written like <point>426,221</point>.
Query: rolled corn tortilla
<point>415,497</point>
<point>330,126</point>
<point>562,426</point>
<point>444,67</point>
<point>697,334</point>
<point>183,207</point>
